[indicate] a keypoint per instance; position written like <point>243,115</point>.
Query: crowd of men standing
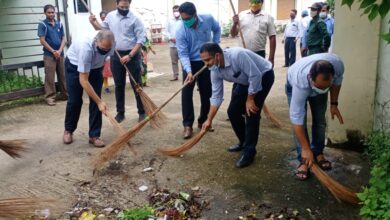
<point>194,41</point>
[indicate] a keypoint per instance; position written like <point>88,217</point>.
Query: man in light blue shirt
<point>130,36</point>
<point>83,66</point>
<point>291,35</point>
<point>194,31</point>
<point>172,27</point>
<point>327,18</point>
<point>253,78</point>
<point>309,80</point>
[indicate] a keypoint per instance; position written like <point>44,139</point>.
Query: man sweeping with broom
<point>253,78</point>
<point>309,80</point>
<point>83,66</point>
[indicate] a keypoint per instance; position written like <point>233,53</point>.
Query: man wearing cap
<point>316,38</point>
<point>308,81</point>
<point>256,25</point>
<point>303,24</point>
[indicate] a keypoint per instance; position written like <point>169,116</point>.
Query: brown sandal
<point>324,164</point>
<point>302,174</point>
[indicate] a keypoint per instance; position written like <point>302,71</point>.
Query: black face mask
<point>123,12</point>
<point>101,51</point>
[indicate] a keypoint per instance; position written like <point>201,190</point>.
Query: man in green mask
<point>190,36</point>
<point>256,25</point>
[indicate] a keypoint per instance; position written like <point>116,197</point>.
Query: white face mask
<point>176,14</point>
<point>323,15</point>
<point>320,91</point>
<point>313,14</point>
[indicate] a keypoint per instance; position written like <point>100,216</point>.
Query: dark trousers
<point>247,128</point>
<point>261,53</point>
<point>290,51</point>
<point>75,99</point>
<point>187,104</point>
<point>119,74</point>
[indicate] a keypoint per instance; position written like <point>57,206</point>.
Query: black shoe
<point>141,117</point>
<point>120,117</point>
<point>235,148</point>
<point>244,161</point>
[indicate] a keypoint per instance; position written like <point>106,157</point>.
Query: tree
<point>372,8</point>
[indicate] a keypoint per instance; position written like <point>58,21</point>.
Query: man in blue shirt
<point>253,78</point>
<point>51,36</point>
<point>129,34</point>
<point>309,80</point>
<point>194,31</point>
<point>327,18</point>
<point>84,68</point>
<point>291,35</point>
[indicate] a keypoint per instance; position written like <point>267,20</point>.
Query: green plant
<point>226,29</point>
<point>11,81</point>
<point>136,214</point>
<point>376,197</point>
<point>372,8</point>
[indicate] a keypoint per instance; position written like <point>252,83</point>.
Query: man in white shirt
<point>290,37</point>
<point>172,26</point>
<point>256,25</point>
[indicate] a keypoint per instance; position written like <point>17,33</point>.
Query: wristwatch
<point>336,103</point>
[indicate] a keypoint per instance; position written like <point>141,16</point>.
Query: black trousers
<point>187,104</point>
<point>75,99</point>
<point>247,128</point>
<point>290,51</point>
<point>119,75</point>
<point>261,53</point>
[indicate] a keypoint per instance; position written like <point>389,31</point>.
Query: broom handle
<point>89,10</point>
<point>175,94</point>
<point>127,69</point>
<point>239,27</point>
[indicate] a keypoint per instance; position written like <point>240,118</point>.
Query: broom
<point>109,152</point>
<point>119,130</point>
<point>340,192</point>
<point>13,148</point>
<point>19,207</point>
<point>266,111</point>
<point>177,151</point>
<point>148,104</point>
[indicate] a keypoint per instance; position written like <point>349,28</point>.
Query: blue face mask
<point>320,91</point>
<point>188,23</point>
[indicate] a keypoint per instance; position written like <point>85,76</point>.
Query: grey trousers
<point>53,66</point>
<point>175,62</point>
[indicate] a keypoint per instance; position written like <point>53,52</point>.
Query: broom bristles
<point>177,151</point>
<point>150,107</point>
<point>13,148</point>
<point>110,151</point>
<point>340,192</point>
<point>119,130</point>
<point>17,207</point>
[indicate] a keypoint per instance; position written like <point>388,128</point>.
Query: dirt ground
<point>64,172</point>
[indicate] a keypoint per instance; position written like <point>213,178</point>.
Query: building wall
<point>284,8</point>
<point>382,105</point>
<point>356,41</point>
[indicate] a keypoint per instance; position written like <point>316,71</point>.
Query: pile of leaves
<point>177,206</point>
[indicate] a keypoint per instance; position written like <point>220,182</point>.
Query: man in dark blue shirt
<point>51,36</point>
